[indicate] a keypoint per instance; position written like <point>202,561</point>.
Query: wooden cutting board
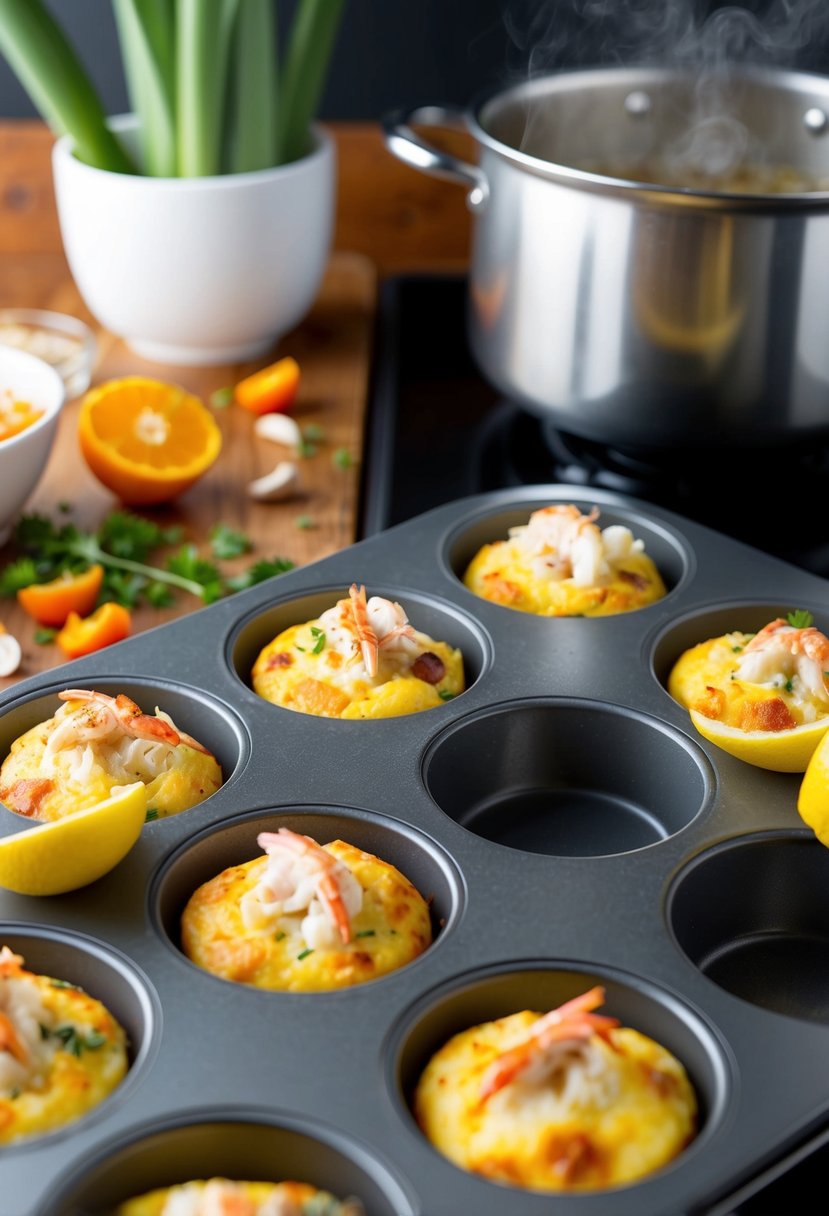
<point>333,349</point>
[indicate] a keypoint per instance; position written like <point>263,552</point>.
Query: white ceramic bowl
<point>23,457</point>
<point>197,270</point>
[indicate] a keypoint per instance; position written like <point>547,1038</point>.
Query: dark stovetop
<point>438,431</point>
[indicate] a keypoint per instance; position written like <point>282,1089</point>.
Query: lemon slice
<point>813,799</point>
<point>783,751</point>
<point>69,853</point>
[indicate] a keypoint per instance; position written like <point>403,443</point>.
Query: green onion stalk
<point>203,77</point>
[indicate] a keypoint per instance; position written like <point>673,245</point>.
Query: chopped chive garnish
<point>152,813</point>
<point>736,649</point>
<point>302,648</point>
<point>60,984</point>
<point>303,954</point>
<point>319,639</point>
<point>15,1093</point>
<point>789,686</point>
<point>366,933</point>
<point>280,936</point>
<point>446,695</point>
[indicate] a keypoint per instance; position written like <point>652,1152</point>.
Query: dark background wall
<point>403,52</point>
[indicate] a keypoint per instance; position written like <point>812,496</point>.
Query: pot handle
<point>409,147</point>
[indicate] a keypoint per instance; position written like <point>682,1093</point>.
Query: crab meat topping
<point>560,543</point>
<point>781,656</point>
<point>309,880</point>
<point>25,1022</point>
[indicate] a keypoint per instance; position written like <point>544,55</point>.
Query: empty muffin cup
<point>753,916</point>
<point>567,778</point>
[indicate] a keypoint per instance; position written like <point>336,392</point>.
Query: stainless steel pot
<point>638,314</point>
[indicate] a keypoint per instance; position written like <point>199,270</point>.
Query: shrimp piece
<point>10,1041</point>
<point>222,1198</point>
<point>566,545</point>
<point>10,963</point>
<point>122,714</point>
<point>388,620</point>
<point>363,629</point>
<point>322,864</point>
<point>572,1022</point>
<point>779,649</point>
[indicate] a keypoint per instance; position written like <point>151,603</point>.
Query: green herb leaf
<point>304,522</point>
<point>314,433</point>
<point>258,573</point>
<point>158,594</point>
<point>45,635</point>
<point>222,397</point>
<point>17,575</point>
<point>303,954</point>
<point>801,618</point>
<point>225,543</point>
<point>342,459</point>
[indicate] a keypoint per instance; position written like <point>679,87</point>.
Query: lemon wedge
<point>813,798</point>
<point>782,751</point>
<point>52,858</point>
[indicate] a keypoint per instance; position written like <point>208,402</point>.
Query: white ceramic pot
<point>197,270</point>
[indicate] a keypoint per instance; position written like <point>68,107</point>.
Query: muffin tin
<point>569,826</point>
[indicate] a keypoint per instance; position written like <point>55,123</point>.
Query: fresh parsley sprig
<point>123,545</point>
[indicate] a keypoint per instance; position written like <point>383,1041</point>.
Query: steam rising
<point>551,35</point>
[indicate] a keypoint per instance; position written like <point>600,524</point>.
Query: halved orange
<point>146,440</point>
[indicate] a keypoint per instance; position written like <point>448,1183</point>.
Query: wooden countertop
<point>389,219</point>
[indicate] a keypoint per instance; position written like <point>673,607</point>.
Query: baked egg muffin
<point>305,917</point>
<point>61,1051</point>
<point>221,1197</point>
<point>772,680</point>
<point>561,564</point>
<point>570,1101</point>
<point>360,659</point>
<point>95,744</point>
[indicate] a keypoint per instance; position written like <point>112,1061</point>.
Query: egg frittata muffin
<point>95,744</point>
<point>772,680</point>
<point>360,659</point>
<point>561,564</point>
<point>221,1197</point>
<point>570,1101</point>
<point>61,1051</point>
<point>305,917</point>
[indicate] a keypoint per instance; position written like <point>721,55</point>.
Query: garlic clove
<point>278,428</point>
<point>10,654</point>
<point>281,482</point>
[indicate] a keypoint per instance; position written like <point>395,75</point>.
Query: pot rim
<point>322,152</point>
<point>641,77</point>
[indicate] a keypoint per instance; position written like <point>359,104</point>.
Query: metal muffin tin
<point>568,825</point>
